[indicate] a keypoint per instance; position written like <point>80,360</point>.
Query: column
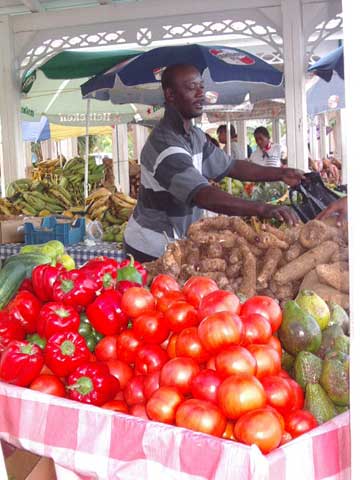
<point>338,135</point>
<point>344,148</point>
<point>241,131</point>
<point>13,158</point>
<point>121,158</point>
<point>323,139</point>
<point>276,130</point>
<point>295,65</point>
<point>314,145</point>
<point>140,133</point>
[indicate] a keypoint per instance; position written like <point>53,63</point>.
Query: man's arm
<point>214,199</point>
<point>251,172</point>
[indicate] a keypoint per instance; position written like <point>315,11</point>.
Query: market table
<point>81,252</point>
<point>89,443</point>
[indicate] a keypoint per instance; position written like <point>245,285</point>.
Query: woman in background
<point>267,154</point>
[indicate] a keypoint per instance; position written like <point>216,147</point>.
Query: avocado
<point>311,303</point>
<point>335,377</point>
<point>299,330</point>
<point>307,368</point>
<point>287,362</point>
<point>342,344</point>
<point>318,403</point>
<point>341,409</point>
<point>329,336</point>
<point>338,316</point>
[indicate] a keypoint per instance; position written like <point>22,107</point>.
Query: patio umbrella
<point>325,67</point>
<point>326,96</point>
<point>36,131</point>
<point>229,74</point>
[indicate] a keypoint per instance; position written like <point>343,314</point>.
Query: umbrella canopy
<point>36,131</point>
<point>229,74</point>
<point>260,110</point>
<point>325,67</point>
<point>326,96</point>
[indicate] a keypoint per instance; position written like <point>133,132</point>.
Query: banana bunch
<point>111,209</point>
<point>7,208</point>
<point>97,203</point>
<point>45,169</point>
<point>74,171</point>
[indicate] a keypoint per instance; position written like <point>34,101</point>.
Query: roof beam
<point>33,5</point>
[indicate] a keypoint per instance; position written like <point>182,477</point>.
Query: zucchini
<point>29,261</point>
<point>11,276</point>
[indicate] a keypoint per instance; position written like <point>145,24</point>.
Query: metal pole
<point>86,173</point>
<point>228,147</point>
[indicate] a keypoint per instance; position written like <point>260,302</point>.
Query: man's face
<point>222,136</point>
<point>187,94</point>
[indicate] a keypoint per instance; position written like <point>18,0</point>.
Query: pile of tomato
<point>194,357</point>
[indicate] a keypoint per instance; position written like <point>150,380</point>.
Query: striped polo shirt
<point>175,164</point>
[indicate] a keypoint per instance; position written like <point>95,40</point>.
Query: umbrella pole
<point>86,168</point>
<point>228,147</point>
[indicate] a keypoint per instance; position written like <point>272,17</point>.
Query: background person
<point>235,150</point>
<point>267,154</point>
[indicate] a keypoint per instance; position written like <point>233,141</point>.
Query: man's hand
<point>282,213</point>
<point>339,207</point>
<point>292,177</point>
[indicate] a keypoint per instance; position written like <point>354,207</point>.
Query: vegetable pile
<point>267,260</point>
<point>195,357</point>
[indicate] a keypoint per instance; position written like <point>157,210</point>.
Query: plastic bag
<point>94,232</point>
<point>311,196</point>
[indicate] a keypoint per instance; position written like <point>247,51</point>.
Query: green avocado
<point>307,368</point>
<point>318,403</point>
<point>335,378</point>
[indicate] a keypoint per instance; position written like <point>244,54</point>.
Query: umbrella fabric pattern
<point>333,62</point>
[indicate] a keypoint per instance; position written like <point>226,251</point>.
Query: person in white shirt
<point>235,149</point>
<point>267,154</point>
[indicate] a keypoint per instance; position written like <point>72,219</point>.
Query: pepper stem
<point>27,349</point>
<point>84,386</point>
<point>67,285</point>
<point>67,348</point>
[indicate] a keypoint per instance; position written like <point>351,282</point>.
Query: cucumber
<point>11,276</point>
<point>29,261</point>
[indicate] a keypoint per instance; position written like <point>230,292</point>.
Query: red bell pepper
<point>105,313</point>
<point>92,383</point>
<point>64,352</point>
<point>9,330</point>
<point>21,363</point>
<point>74,288</point>
<point>55,317</point>
<point>103,270</point>
<point>25,307</point>
<point>43,279</point>
<point>132,271</point>
<point>125,285</point>
<point>26,284</point>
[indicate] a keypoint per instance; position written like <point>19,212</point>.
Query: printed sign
<point>231,56</point>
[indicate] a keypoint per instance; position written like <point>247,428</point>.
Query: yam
<point>268,240</point>
<point>248,284</point>
<point>299,267</point>
<point>330,294</point>
<point>215,250</point>
<point>187,271</point>
<point>243,229</point>
<point>294,251</point>
<point>212,265</point>
<point>221,222</point>
<point>233,271</point>
<point>315,232</point>
<point>253,248</point>
<point>283,292</point>
<point>341,255</point>
<point>280,234</point>
<point>271,261</point>
<point>292,234</point>
<point>335,275</point>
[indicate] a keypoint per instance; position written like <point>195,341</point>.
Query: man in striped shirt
<point>177,163</point>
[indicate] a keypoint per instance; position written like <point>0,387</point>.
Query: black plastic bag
<point>311,196</point>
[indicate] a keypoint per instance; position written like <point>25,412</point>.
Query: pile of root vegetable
<point>265,260</point>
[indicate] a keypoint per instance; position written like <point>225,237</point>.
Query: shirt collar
<point>174,119</point>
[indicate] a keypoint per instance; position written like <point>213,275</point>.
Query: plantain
<point>112,218</point>
<point>59,196</point>
<point>99,213</point>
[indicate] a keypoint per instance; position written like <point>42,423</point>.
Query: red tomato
<point>286,438</point>
<point>235,360</point>
<point>274,342</point>
<point>267,359</point>
<point>283,373</point>
<point>181,315</point>
<point>165,302</point>
<point>219,301</point>
<point>139,411</point>
<point>266,306</point>
<point>196,288</point>
<point>205,385</point>
<point>49,384</point>
<point>220,330</point>
<point>151,383</point>
<point>136,301</point>
<point>229,431</point>
<point>163,404</point>
<point>116,406</point>
<point>260,427</point>
<point>299,422</point>
<point>188,345</point>
<point>257,329</point>
<point>298,394</point>
<point>134,391</point>
<point>239,394</point>
<point>126,346</point>
<point>171,348</point>
<point>201,416</point>
<point>149,358</point>
<point>278,393</point>
<point>179,372</point>
<point>163,284</point>
<point>210,364</point>
<point>151,327</point>
<point>106,349</point>
<point>121,371</point>
<point>279,416</point>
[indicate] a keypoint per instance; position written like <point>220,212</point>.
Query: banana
<point>63,200</point>
<point>98,193</point>
<point>101,202</point>
<point>98,214</point>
